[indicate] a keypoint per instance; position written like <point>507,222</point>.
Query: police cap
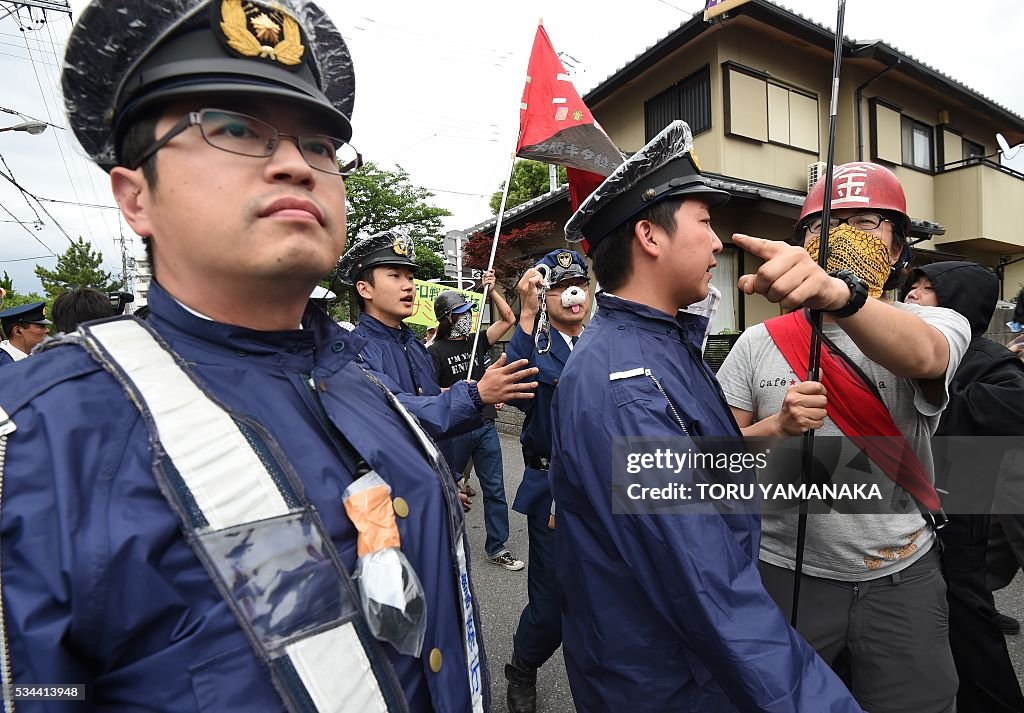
<point>664,168</point>
<point>125,57</point>
<point>565,265</point>
<point>32,313</point>
<point>389,247</point>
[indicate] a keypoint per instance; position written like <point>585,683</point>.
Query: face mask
<point>462,325</point>
<point>863,253</point>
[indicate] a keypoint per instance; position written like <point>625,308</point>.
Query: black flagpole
<point>814,360</point>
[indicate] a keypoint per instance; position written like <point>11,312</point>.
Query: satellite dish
<point>1005,149</point>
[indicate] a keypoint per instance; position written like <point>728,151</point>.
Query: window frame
<point>912,123</point>
<point>701,78</point>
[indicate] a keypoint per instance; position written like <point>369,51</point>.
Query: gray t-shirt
<point>849,547</point>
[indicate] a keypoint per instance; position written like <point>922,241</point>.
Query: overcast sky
<point>438,90</point>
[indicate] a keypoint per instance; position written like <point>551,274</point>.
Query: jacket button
<point>338,347</point>
<point>435,660</point>
<point>554,382</point>
<point>323,386</point>
<point>401,507</point>
<point>419,391</point>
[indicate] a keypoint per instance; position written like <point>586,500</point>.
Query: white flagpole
<point>490,265</point>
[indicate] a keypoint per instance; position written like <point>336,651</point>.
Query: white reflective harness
<point>204,443</point>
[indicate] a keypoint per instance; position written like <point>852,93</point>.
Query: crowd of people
<point>239,504</point>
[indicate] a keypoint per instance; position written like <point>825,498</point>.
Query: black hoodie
<point>986,395</point>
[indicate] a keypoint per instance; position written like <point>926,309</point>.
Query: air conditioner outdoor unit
<point>815,172</point>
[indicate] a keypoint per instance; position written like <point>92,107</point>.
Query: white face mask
<point>462,325</point>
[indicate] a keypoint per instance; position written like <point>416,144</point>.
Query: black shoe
<point>1007,624</point>
<point>522,687</point>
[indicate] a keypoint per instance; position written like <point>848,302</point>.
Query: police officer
<point>177,525</point>
<point>660,611</point>
<point>25,326</point>
<point>381,269</point>
<point>567,305</point>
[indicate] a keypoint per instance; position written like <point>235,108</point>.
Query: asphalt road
<point>502,596</point>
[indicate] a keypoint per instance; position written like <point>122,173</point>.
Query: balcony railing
<point>977,201</point>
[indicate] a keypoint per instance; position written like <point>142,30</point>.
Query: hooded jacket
<point>986,395</point>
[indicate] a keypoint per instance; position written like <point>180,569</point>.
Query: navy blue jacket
<point>98,582</point>
<point>534,493</point>
<point>663,612</point>
<point>399,359</point>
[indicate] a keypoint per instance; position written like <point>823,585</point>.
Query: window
<point>762,109</point>
<point>917,144</point>
<point>973,151</point>
<point>724,276</point>
<point>689,100</point>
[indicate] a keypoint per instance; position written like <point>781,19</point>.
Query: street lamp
<point>32,127</point>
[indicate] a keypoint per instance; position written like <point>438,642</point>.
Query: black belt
<point>536,462</point>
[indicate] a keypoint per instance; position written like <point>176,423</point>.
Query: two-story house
<point>755,85</point>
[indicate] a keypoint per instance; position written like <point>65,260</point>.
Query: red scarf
<point>856,410</point>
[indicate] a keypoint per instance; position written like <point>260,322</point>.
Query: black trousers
<point>988,683</point>
<point>540,626</point>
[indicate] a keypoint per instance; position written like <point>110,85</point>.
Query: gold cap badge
<point>693,157</point>
<point>401,246</point>
<point>255,30</point>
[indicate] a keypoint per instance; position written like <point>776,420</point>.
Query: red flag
<point>555,126</point>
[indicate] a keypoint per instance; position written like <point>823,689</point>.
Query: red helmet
<point>859,185</point>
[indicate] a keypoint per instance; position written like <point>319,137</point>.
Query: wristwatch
<point>858,293</point>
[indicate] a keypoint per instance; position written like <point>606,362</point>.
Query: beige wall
<point>622,115</point>
<point>979,202</point>
<point>1001,199</point>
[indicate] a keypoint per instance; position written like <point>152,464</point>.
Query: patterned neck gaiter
<point>862,253</point>
<point>462,325</point>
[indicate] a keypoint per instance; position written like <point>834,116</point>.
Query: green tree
<point>529,180</point>
<point>78,266</point>
<point>429,260</point>
<point>14,298</point>
<point>379,200</point>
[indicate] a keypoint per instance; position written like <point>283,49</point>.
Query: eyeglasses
<point>860,221</point>
<point>248,136</point>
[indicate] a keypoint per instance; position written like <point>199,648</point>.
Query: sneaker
<point>1007,624</point>
<point>508,561</point>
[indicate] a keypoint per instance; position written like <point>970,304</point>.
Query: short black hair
<point>139,137</point>
<point>81,304</point>
<point>613,256</point>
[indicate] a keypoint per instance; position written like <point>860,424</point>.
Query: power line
<point>26,259</point>
<point>38,219</point>
<point>34,236</point>
<point>67,169</point>
<point>48,214</point>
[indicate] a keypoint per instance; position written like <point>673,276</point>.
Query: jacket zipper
<point>671,405</point>
<point>6,427</point>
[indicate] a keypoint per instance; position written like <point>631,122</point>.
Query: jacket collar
<point>377,328</point>
<point>319,340</point>
<point>690,327</point>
